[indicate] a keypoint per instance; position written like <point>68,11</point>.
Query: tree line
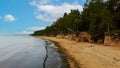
<point>97,18</point>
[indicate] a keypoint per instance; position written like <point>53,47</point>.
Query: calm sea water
<point>29,52</point>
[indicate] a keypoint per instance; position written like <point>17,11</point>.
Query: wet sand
<point>88,55</point>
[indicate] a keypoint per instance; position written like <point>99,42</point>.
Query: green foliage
<point>69,23</point>
<point>97,17</point>
<point>114,8</point>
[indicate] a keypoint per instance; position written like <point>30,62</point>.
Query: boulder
<point>107,40</point>
<point>84,37</point>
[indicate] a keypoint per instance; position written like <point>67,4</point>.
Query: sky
<point>27,16</point>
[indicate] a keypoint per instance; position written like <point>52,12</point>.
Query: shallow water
<point>29,52</point>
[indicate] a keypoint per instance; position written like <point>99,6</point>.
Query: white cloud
<point>52,12</point>
<point>59,10</point>
<point>38,2</point>
<point>24,32</point>
<point>9,18</point>
<point>36,28</point>
<point>44,17</point>
<point>48,12</point>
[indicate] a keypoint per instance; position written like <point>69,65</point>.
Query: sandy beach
<point>88,55</point>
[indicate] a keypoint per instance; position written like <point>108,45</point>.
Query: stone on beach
<point>107,40</point>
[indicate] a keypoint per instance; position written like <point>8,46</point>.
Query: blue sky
<point>26,16</point>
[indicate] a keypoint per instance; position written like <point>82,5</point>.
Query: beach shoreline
<point>87,55</point>
<point>71,61</point>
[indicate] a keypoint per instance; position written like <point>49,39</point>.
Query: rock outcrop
<point>107,40</point>
<point>80,37</point>
<point>84,37</point>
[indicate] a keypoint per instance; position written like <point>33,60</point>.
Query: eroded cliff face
<point>114,39</point>
<point>80,37</point>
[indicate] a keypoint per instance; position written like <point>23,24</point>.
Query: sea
<point>30,52</point>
